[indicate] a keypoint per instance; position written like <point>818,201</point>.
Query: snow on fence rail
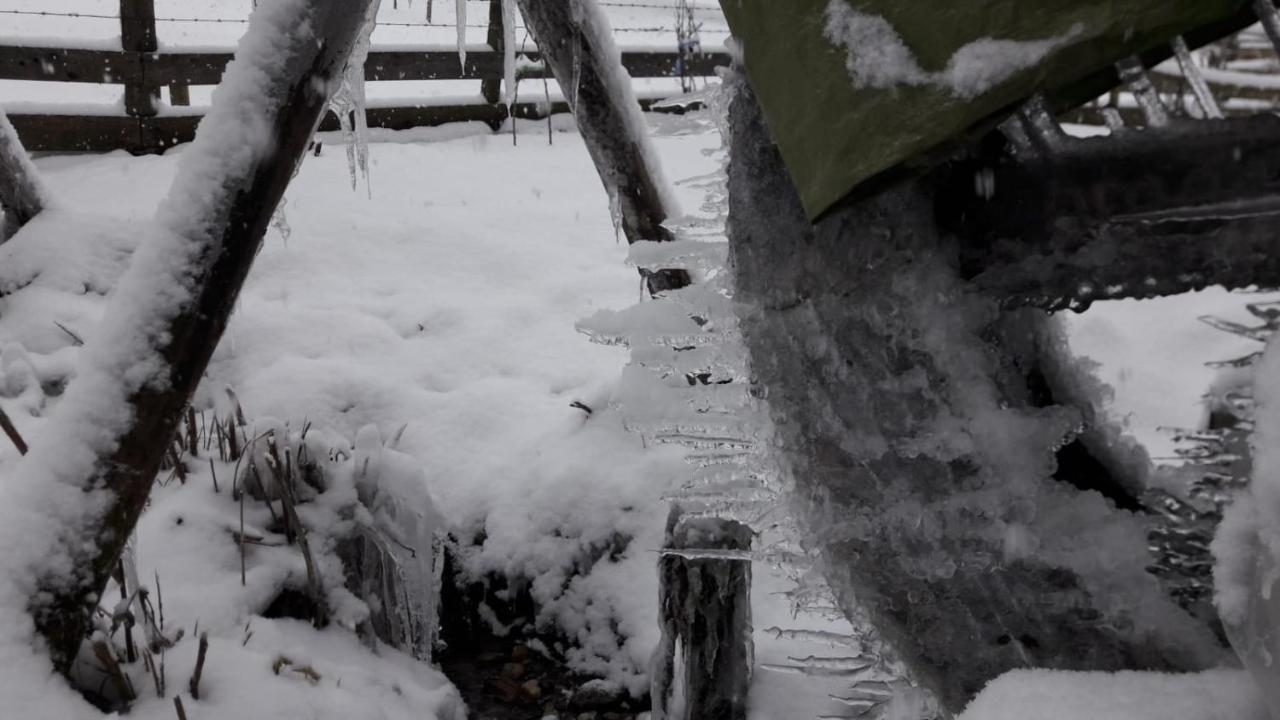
<point>144,124</point>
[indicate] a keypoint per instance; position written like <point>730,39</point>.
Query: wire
<point>241,21</point>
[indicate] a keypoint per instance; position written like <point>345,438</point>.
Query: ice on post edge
<point>1246,548</point>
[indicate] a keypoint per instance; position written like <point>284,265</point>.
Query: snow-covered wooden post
<point>20,194</point>
<point>575,40</point>
<point>170,309</point>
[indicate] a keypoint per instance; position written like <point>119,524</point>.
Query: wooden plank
<point>113,66</point>
<point>66,65</point>
<point>179,94</point>
<point>76,133</point>
<point>104,133</point>
<point>207,68</point>
<point>1158,212</point>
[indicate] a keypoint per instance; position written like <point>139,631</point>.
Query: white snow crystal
<point>877,56</point>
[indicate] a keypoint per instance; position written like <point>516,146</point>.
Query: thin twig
<point>76,340</point>
<point>177,705</point>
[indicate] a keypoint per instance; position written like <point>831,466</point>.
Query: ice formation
<point>1246,548</point>
<point>348,103</point>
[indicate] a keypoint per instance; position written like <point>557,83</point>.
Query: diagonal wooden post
<point>172,307</point>
<point>574,40</point>
<point>20,194</point>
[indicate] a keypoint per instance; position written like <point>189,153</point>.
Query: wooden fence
<point>143,71</point>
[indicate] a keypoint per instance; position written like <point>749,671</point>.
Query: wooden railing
<point>143,70</point>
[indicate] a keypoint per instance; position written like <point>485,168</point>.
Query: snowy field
<point>441,305</point>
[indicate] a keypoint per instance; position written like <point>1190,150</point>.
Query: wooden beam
<point>1142,214</point>
<point>20,195</point>
<point>225,225</point>
<point>104,133</point>
<point>207,68</point>
<point>67,64</point>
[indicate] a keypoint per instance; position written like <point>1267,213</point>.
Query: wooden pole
<point>226,224</point>
<point>491,87</point>
<point>138,35</point>
<point>20,194</point>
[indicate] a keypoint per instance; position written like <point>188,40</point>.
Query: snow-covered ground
<point>439,307</point>
<point>444,303</point>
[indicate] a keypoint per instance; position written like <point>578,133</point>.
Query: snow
<point>1064,695</point>
<point>877,56</point>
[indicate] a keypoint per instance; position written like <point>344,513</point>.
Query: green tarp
<point>836,137</point>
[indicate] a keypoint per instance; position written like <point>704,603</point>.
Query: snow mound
<point>1066,695</point>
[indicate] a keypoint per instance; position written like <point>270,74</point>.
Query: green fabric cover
<point>835,137</point>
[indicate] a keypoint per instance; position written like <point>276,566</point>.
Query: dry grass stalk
<point>7,425</point>
<point>194,685</point>
<point>177,706</point>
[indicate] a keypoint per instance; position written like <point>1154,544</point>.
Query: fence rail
<point>143,70</point>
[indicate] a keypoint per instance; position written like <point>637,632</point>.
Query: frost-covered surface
<point>1048,695</point>
<point>878,57</point>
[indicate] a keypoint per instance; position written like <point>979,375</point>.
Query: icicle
<point>853,663</point>
<point>348,103</point>
<point>864,670</point>
<point>280,223</point>
<point>460,13</point>
<point>816,636</point>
